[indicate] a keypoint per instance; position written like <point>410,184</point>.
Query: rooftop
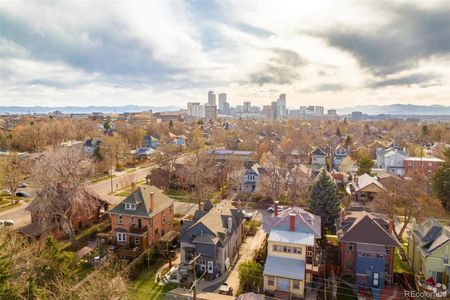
<point>291,237</point>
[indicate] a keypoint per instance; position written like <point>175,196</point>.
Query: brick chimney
<point>391,226</point>
<point>275,207</point>
<point>201,206</point>
<point>152,201</point>
<point>292,222</point>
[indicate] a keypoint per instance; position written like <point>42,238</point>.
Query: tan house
<point>140,220</point>
<point>365,188</point>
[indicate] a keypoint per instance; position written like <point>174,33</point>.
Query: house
<point>80,218</point>
<point>92,145</point>
<point>144,152</point>
<point>140,220</point>
<point>365,188</point>
<point>428,165</point>
<point>234,143</point>
<point>391,159</point>
<point>221,155</point>
<point>151,141</point>
<point>291,258</point>
<point>251,177</point>
<point>338,156</point>
<point>318,159</point>
<point>179,140</point>
<point>429,250</point>
<point>367,248</point>
<point>216,233</point>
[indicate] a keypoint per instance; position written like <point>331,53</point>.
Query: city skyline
<point>173,52</point>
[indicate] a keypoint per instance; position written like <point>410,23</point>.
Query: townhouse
<point>367,248</point>
<point>292,249</point>
<point>428,165</point>
<point>140,220</point>
<point>216,233</point>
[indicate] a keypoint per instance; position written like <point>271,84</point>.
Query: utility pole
<point>193,263</point>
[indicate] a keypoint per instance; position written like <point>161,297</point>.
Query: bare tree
<point>273,179</point>
<point>61,176</point>
<point>13,170</point>
<point>298,186</point>
<point>406,198</point>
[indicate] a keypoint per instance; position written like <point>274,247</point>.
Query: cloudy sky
<point>169,52</point>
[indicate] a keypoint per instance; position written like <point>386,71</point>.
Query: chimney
<point>275,208</point>
<point>133,186</point>
<point>292,222</point>
<point>152,201</point>
<point>230,223</point>
<point>201,206</point>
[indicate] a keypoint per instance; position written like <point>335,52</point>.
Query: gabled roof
<point>291,237</point>
<point>365,180</point>
<point>141,198</point>
<point>319,152</point>
<point>366,228</point>
<point>305,222</point>
<point>431,235</point>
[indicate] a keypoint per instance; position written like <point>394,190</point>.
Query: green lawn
<point>144,287</point>
<point>9,206</point>
<point>344,292</point>
<point>400,266</point>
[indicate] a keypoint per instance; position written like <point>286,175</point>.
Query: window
<point>296,284</point>
<point>430,164</point>
<point>132,220</point>
<point>445,259</point>
<point>119,219</point>
<point>170,208</point>
<point>121,236</point>
<point>350,247</point>
<point>130,206</point>
<point>156,231</point>
<point>137,241</point>
<point>309,253</point>
<point>409,163</point>
<point>387,250</point>
<point>376,279</point>
<point>270,280</point>
<point>164,220</point>
<point>298,250</point>
<point>430,172</point>
<point>283,284</point>
<point>349,265</point>
<point>210,266</point>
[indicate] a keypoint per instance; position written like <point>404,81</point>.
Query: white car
<point>225,289</point>
<point>271,209</point>
<point>247,215</point>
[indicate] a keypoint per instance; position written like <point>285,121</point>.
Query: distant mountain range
<point>397,109</point>
<point>394,109</point>
<point>84,110</point>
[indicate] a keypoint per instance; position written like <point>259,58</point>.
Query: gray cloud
<point>411,35</point>
<point>418,78</point>
<point>281,68</point>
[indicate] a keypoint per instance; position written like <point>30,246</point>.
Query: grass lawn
<point>9,206</point>
<point>144,287</point>
<point>180,195</point>
<point>99,227</point>
<point>344,292</point>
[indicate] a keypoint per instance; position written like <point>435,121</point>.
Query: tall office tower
<point>332,112</point>
<point>195,109</point>
<point>211,98</point>
<point>310,108</point>
<point>222,101</point>
<point>274,110</point>
<point>318,110</point>
<point>357,115</point>
<point>281,107</point>
<point>226,108</point>
<point>247,106</point>
<point>210,112</point>
<point>267,111</point>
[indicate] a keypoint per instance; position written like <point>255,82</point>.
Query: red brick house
<point>140,220</point>
<point>428,165</point>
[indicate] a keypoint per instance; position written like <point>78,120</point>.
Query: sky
<point>159,53</point>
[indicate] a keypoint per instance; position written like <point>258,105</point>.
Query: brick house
<point>80,219</point>
<point>140,220</point>
<point>367,249</point>
<point>428,165</point>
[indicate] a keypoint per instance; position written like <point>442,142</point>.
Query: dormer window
<point>130,206</point>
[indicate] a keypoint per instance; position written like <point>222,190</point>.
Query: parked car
<point>247,215</point>
<point>271,209</point>
<point>225,289</point>
<point>23,185</point>
<point>6,222</point>
<point>22,194</point>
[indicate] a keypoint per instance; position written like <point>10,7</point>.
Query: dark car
<point>22,194</point>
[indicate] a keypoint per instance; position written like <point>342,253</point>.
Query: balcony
<point>133,230</point>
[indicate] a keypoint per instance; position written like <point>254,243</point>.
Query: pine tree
<point>6,274</point>
<point>441,181</point>
<point>324,201</point>
<point>338,132</point>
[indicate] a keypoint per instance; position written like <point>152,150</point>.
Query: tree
<point>338,132</point>
<point>323,200</point>
<point>365,164</point>
<point>406,198</point>
<point>297,185</point>
<point>106,125</point>
<point>13,171</point>
<point>272,181</point>
<point>170,124</point>
<point>348,141</point>
<point>441,181</point>
<point>251,276</point>
<point>61,176</point>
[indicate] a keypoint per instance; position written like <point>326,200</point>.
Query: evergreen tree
<point>324,201</point>
<point>170,124</point>
<point>441,181</point>
<point>365,165</point>
<point>338,132</point>
<point>6,274</point>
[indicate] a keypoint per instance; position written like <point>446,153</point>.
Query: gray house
<point>215,232</point>
<point>251,177</point>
